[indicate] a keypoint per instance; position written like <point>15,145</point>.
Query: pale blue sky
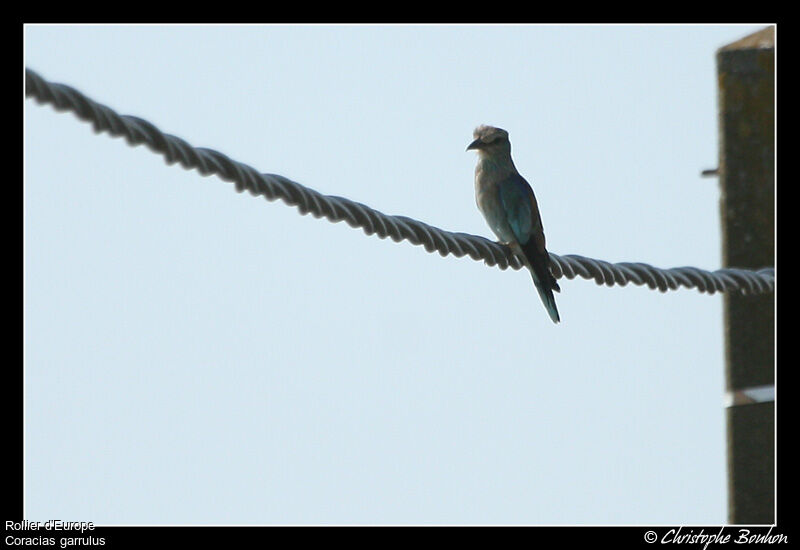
<point>198,356</point>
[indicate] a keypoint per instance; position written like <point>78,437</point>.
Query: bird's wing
<point>521,210</point>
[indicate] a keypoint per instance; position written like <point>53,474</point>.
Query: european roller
<point>507,202</point>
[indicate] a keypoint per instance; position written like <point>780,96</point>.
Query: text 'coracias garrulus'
<point>506,201</point>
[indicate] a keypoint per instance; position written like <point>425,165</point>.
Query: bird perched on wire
<point>507,202</point>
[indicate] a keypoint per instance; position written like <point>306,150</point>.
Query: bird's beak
<point>477,144</point>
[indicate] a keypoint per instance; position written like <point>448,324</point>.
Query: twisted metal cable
<point>308,201</point>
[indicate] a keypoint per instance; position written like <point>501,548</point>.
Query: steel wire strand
<point>137,131</point>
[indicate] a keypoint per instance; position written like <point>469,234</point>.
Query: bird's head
<point>489,140</point>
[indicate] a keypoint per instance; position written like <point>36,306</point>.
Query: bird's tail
<point>539,265</point>
<point>549,301</point>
